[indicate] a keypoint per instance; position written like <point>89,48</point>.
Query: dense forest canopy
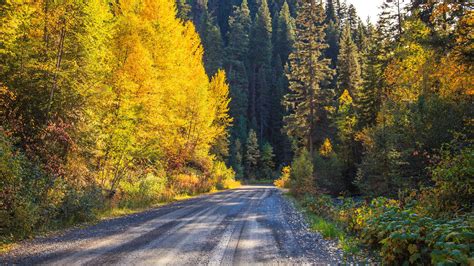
<point>385,97</point>
<point>134,101</point>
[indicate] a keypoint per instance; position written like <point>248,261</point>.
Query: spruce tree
<point>348,68</point>
<point>332,34</point>
<point>352,19</point>
<point>307,70</point>
<point>391,19</point>
<point>235,64</point>
<point>237,160</point>
<point>266,162</point>
<point>212,43</point>
<point>285,37</point>
<point>368,99</point>
<point>252,155</point>
<point>285,33</point>
<point>198,9</point>
<point>184,10</point>
<point>331,12</point>
<point>260,56</point>
<point>332,39</point>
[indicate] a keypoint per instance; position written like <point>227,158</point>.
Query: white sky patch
<point>366,8</point>
<point>369,8</point>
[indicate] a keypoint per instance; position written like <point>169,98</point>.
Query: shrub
<point>328,171</point>
<point>142,192</point>
<point>405,237</point>
<point>454,183</point>
<point>402,234</point>
<point>302,180</point>
<point>223,177</point>
<point>79,205</point>
<point>321,205</point>
<point>186,183</point>
<point>19,210</point>
<point>284,180</point>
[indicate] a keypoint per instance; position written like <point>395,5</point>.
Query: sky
<point>367,8</point>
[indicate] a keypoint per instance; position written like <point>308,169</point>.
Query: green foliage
<point>266,161</point>
<point>326,228</point>
<point>302,179</point>
<point>306,71</point>
<point>402,234</point>
<point>31,200</point>
<point>212,43</point>
<point>252,155</point>
<point>321,205</point>
<point>329,173</point>
<point>406,237</point>
<point>142,192</point>
<point>454,182</point>
<point>80,205</point>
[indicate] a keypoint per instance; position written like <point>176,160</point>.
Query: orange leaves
<point>455,78</point>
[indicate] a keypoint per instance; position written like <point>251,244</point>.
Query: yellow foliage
<point>345,98</point>
<point>326,148</point>
<point>456,79</point>
<point>284,180</point>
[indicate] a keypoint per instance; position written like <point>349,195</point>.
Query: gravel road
<point>252,224</point>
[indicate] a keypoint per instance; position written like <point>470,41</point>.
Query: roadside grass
<point>349,244</point>
<point>326,228</point>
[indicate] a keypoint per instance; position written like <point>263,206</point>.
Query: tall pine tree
<point>306,72</point>
<point>348,67</point>
<point>260,56</point>
<point>236,66</point>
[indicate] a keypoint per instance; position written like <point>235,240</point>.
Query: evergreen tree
<point>285,33</point>
<point>267,161</point>
<point>352,20</point>
<point>332,39</point>
<point>212,43</point>
<point>235,65</point>
<point>184,10</point>
<point>341,11</point>
<point>348,68</point>
<point>252,155</point>
<point>198,10</point>
<point>307,70</point>
<point>237,160</point>
<point>332,35</point>
<point>260,56</point>
<point>369,97</point>
<point>391,19</point>
<point>331,13</point>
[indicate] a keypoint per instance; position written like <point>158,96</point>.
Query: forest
<point>128,103</point>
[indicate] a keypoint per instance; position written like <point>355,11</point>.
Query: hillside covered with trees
<point>132,102</point>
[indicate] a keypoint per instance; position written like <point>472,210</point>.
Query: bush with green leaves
<point>302,179</point>
<point>454,180</point>
<point>31,201</point>
<point>406,237</point>
<point>80,205</point>
<point>19,208</point>
<point>328,171</point>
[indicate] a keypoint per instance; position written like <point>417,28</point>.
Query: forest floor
<point>251,224</point>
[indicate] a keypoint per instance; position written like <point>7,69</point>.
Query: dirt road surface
<point>249,225</point>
